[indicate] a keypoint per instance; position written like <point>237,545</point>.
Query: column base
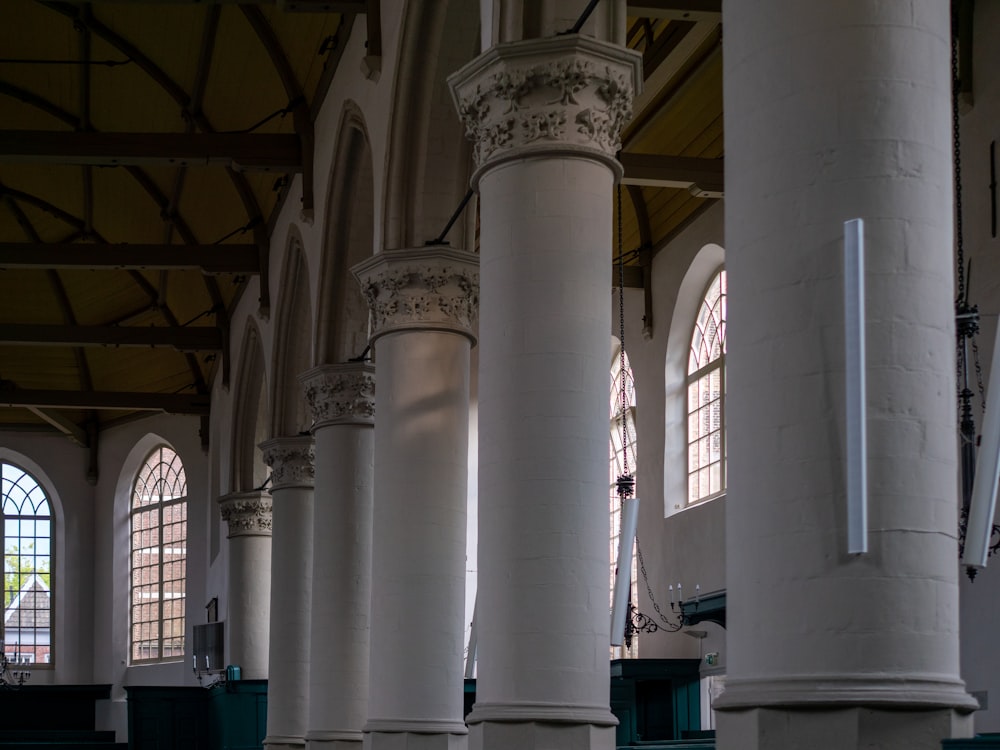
<point>839,728</point>
<point>277,742</point>
<point>415,741</point>
<point>904,691</point>
<point>333,740</point>
<point>540,735</point>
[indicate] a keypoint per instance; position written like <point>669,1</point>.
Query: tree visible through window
<point>706,385</point>
<point>27,568</point>
<point>158,523</point>
<point>622,444</point>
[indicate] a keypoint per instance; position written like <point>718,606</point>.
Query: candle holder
<point>680,613</point>
<point>11,678</point>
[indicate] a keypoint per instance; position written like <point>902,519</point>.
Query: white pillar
<point>248,517</point>
<point>342,400</point>
<point>291,462</point>
<point>424,307</point>
<point>546,116</point>
<point>837,111</point>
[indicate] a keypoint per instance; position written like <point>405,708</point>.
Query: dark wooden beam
<point>656,170</point>
<point>677,10</point>
<point>172,403</point>
<point>66,426</point>
<point>210,259</point>
<point>243,151</point>
<point>292,6</point>
<point>322,6</point>
<point>185,339</point>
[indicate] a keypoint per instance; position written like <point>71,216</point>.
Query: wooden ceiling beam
<point>243,151</point>
<point>677,10</point>
<point>292,6</point>
<point>210,259</point>
<point>185,339</point>
<point>702,176</point>
<point>172,403</point>
<point>323,6</point>
<point>67,427</point>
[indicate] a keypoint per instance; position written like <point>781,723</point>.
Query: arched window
<point>622,445</point>
<point>706,386</point>
<point>27,568</point>
<point>158,521</point>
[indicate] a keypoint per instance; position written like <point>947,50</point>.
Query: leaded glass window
<point>706,386</point>
<point>27,568</point>
<point>622,445</point>
<point>158,525</point>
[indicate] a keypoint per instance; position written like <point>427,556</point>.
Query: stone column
<point>836,111</point>
<point>342,400</point>
<point>545,116</point>
<point>291,462</point>
<point>248,516</point>
<point>424,307</point>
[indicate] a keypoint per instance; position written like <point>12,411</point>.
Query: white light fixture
<point>854,376</point>
<point>984,485</point>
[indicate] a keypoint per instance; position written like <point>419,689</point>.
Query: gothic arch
<point>250,413</point>
<point>348,239</point>
<point>292,342</point>
<point>429,159</point>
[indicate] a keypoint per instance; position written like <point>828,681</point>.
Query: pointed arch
<point>348,239</point>
<point>250,413</point>
<point>293,340</point>
<point>429,159</point>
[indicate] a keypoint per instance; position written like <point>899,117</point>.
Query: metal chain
<point>979,375</point>
<point>649,590</point>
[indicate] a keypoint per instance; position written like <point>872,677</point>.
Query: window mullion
<point>160,587</point>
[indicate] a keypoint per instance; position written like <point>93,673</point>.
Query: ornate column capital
<point>247,513</point>
<point>291,461</point>
<point>558,94</point>
<point>426,288</point>
<point>340,394</point>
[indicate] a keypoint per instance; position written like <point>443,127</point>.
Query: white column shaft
<point>418,567</point>
<point>291,591</point>
<point>341,583</point>
<point>249,604</point>
<point>545,318</point>
<point>837,111</point>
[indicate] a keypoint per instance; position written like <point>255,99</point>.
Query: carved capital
<point>291,461</point>
<point>340,394</point>
<point>247,513</point>
<point>427,288</point>
<point>565,93</point>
